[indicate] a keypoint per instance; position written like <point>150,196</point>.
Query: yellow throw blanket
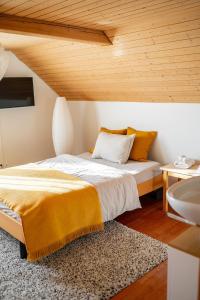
<point>55,208</point>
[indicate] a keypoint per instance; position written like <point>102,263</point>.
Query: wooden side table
<point>171,170</point>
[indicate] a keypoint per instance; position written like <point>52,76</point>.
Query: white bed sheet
<point>117,189</point>
<point>142,171</point>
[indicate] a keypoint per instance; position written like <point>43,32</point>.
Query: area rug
<point>94,267</point>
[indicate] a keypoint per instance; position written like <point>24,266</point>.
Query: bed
<point>118,185</point>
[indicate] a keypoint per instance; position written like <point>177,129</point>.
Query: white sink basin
<point>184,198</point>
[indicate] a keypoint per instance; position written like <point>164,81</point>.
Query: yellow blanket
<point>55,208</point>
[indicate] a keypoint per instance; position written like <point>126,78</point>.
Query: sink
<point>184,198</point>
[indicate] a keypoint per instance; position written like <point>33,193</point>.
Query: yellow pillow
<point>142,143</point>
<point>113,131</point>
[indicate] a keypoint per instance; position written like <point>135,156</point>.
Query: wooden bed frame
<point>14,227</point>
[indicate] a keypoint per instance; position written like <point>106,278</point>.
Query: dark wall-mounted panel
<point>16,92</point>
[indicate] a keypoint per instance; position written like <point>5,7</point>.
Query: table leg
<point>165,187</point>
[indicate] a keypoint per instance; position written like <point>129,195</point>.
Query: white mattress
<point>142,171</point>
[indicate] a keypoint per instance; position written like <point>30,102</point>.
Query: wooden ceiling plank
<point>104,8</point>
<point>14,5</point>
<point>185,74</point>
<point>131,49</point>
<point>27,26</point>
<point>127,17</point>
<point>139,67</point>
<point>34,11</point>
<point>145,61</point>
<point>127,81</point>
<point>93,8</point>
<point>96,55</point>
<point>178,26</point>
<point>64,6</point>
<point>114,9</point>
<point>109,10</point>
<point>165,33</point>
<point>181,12</point>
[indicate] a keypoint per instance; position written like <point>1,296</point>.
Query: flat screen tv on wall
<point>16,92</point>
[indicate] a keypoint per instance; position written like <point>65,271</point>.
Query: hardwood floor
<point>152,221</point>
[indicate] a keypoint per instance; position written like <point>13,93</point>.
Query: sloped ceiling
<point>155,55</point>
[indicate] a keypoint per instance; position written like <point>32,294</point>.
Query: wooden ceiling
<point>154,56</point>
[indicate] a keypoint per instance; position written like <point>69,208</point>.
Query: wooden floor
<point>152,221</point>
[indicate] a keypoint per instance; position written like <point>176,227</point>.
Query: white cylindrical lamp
<point>62,127</point>
<point>4,61</point>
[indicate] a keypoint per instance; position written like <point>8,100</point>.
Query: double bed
<point>119,186</point>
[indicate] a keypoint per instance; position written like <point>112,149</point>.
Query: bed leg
<point>22,249</point>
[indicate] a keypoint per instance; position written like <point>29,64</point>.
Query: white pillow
<point>113,147</point>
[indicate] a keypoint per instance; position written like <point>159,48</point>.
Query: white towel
<point>184,163</point>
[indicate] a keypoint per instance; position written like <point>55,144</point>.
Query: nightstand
<point>171,171</point>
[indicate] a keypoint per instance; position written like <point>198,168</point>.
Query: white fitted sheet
<point>142,171</point>
<point>116,188</point>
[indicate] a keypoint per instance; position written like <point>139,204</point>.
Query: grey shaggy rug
<point>93,267</point>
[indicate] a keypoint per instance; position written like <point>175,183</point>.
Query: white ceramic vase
<point>62,127</point>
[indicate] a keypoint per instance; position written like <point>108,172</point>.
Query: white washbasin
<point>184,198</point>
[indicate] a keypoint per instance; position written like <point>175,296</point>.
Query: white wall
<point>178,125</point>
<point>26,132</point>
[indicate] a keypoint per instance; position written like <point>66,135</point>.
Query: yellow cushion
<point>113,131</point>
<point>142,143</point>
